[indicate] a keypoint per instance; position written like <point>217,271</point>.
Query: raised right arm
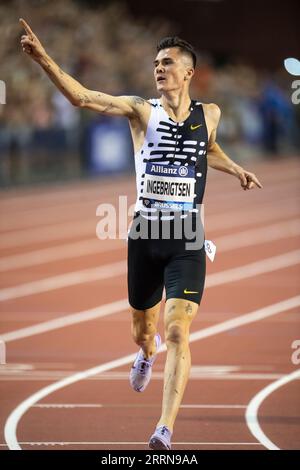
<point>77,94</point>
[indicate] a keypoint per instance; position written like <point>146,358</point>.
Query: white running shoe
<point>141,370</point>
<point>161,439</point>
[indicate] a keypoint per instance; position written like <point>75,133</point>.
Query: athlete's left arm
<point>218,160</point>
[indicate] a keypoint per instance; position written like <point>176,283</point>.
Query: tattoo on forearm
<point>108,108</point>
<point>83,98</point>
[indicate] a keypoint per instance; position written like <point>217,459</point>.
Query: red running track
<point>64,311</point>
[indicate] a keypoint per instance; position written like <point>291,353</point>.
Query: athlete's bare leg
<point>144,327</point>
<point>178,316</point>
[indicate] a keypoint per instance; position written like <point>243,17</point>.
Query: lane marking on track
<point>214,407</point>
<point>230,275</point>
<point>99,405</point>
<point>251,237</point>
<point>52,215</point>
<point>67,320</point>
<point>106,376</point>
<point>58,214</point>
<point>256,236</point>
<point>238,218</point>
<point>216,221</point>
<point>135,443</point>
<point>75,193</point>
<point>247,318</point>
<point>253,407</point>
<point>55,214</point>
<point>58,231</point>
<point>68,193</point>
<point>74,278</point>
<point>59,253</point>
<point>69,405</point>
<point>11,424</point>
<point>119,268</point>
<point>263,266</point>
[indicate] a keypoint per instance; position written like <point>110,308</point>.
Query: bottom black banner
<point>134,459</point>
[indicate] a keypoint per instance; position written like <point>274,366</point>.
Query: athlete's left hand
<point>248,180</point>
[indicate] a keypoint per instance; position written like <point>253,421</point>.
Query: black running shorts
<point>157,263</point>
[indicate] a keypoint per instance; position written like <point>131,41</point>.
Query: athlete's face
<point>172,69</point>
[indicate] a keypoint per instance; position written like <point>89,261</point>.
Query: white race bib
<point>210,249</point>
<point>169,186</point>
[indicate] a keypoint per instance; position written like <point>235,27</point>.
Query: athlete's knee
<point>142,329</point>
<point>141,337</point>
<point>176,334</point>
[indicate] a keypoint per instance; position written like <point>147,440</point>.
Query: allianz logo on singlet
<point>182,171</point>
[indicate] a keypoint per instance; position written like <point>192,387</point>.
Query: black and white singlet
<point>171,166</point>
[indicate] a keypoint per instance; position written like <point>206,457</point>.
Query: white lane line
<point>60,252</point>
<point>263,266</point>
<point>253,407</point>
<point>124,443</point>
<point>20,201</point>
<point>71,194</point>
<point>98,405</point>
<point>114,269</point>
<point>11,424</point>
<point>290,228</point>
<point>64,280</point>
<point>49,215</point>
<point>231,218</point>
<point>69,405</point>
<point>265,212</point>
<point>13,419</point>
<point>58,231</point>
<point>289,172</point>
<point>256,236</point>
<point>55,214</point>
<point>228,196</point>
<point>214,407</point>
<point>76,210</point>
<point>212,280</point>
<point>106,376</point>
<point>59,197</point>
<point>67,320</point>
<point>247,318</point>
<point>76,194</point>
<point>65,191</point>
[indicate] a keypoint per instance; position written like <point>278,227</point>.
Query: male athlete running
<point>174,139</point>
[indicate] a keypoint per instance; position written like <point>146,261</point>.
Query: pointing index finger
<point>26,27</point>
<point>257,182</point>
<point>251,177</point>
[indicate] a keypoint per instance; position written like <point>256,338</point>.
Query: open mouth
<point>160,79</point>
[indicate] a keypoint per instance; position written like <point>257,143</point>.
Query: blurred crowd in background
<point>43,137</point>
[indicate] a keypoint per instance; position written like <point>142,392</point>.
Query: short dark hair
<point>175,41</point>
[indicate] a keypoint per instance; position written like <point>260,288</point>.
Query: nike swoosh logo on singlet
<point>193,128</point>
